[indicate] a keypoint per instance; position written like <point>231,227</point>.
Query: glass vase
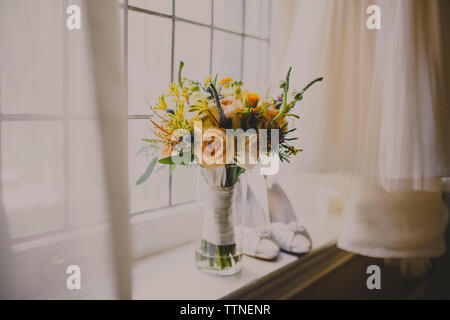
<point>219,251</point>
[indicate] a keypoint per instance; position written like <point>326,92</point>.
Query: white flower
<point>227,92</point>
<point>231,108</point>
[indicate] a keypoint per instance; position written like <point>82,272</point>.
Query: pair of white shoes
<point>265,242</point>
<point>274,226</point>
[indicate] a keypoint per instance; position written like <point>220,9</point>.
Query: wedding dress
<point>381,115</point>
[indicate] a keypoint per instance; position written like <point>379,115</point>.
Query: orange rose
<point>211,150</point>
<point>252,99</point>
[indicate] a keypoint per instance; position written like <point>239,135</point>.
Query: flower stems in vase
<point>233,173</point>
<point>219,256</point>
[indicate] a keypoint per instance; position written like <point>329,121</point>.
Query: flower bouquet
<point>226,130</point>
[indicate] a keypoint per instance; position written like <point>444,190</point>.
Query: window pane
<point>257,18</point>
<point>197,10</point>
<point>153,193</point>
<point>149,58</point>
<point>32,176</point>
<point>255,64</point>
<point>183,184</point>
<point>32,61</point>
<point>227,49</point>
<point>87,198</point>
<point>228,14</point>
<point>163,6</point>
<point>192,45</point>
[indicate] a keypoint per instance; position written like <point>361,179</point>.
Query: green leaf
<point>167,160</point>
<point>284,126</point>
<point>151,140</point>
<point>299,95</point>
<point>291,115</point>
<point>288,76</point>
<point>147,172</point>
<point>292,130</point>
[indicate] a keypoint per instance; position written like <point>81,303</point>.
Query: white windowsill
<point>171,274</point>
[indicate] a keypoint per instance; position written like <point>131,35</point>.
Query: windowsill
<point>171,274</point>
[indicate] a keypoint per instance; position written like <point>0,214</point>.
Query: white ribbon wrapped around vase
<point>218,224</point>
<point>218,216</point>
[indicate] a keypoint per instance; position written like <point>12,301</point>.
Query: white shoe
<point>291,237</point>
<point>258,244</point>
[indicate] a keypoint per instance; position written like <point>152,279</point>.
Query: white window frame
<point>152,230</point>
<point>158,229</point>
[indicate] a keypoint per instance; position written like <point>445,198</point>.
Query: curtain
<point>64,184</point>
<point>380,117</point>
<point>382,110</point>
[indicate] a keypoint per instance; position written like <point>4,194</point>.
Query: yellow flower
<point>252,99</point>
<point>225,81</point>
<point>208,80</point>
<point>238,93</point>
<point>161,104</point>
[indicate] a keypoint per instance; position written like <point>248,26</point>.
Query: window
<point>210,36</point>
<point>44,126</point>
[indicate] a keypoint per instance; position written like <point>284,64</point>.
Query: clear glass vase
<point>219,250</point>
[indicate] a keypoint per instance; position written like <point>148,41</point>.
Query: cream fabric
<point>382,111</point>
<point>381,116</point>
<point>397,224</point>
<point>103,16</point>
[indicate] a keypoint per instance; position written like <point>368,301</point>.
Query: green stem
<point>283,109</point>
<point>285,87</point>
<point>180,69</point>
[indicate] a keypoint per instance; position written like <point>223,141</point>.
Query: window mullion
<point>212,38</point>
<point>243,40</point>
